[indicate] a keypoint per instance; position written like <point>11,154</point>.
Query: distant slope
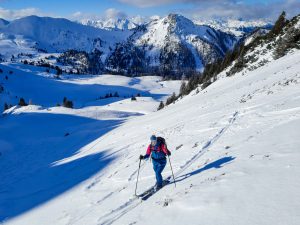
<point>111,24</point>
<point>173,44</point>
<point>236,27</point>
<point>44,90</point>
<point>58,35</point>
<point>258,49</point>
<point>3,22</point>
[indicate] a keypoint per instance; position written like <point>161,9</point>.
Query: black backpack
<point>161,141</point>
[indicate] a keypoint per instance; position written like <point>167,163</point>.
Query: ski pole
<point>172,170</point>
<point>137,179</point>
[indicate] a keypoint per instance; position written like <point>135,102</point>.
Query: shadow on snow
<point>49,92</point>
<point>29,172</point>
<point>213,165</point>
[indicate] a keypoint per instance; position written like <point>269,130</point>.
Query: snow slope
<point>151,46</point>
<point>236,27</point>
<point>205,43</point>
<point>3,22</point>
<point>58,35</point>
<point>235,155</point>
<point>43,89</point>
<point>111,24</point>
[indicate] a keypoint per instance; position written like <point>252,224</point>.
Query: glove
<point>168,153</point>
<point>141,157</point>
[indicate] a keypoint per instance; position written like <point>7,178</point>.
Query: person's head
<point>153,140</point>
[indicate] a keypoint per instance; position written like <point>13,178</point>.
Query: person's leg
<point>160,167</point>
<point>155,168</point>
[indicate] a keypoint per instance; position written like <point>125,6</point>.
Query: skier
<point>158,151</point>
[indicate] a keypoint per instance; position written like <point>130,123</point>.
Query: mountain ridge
<point>171,46</point>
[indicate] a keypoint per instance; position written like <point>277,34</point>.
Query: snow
<point>298,24</point>
<point>58,35</point>
<point>235,150</point>
<point>3,23</point>
<point>83,90</point>
<point>175,29</point>
<point>235,27</point>
<point>111,24</point>
<point>36,35</point>
<point>15,44</point>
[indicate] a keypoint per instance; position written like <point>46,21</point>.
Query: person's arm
<point>165,150</point>
<point>148,153</point>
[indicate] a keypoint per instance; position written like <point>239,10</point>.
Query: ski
<point>151,191</point>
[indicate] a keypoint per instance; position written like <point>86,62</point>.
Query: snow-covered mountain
<point>235,149</point>
<point>111,24</point>
<point>171,44</point>
<point>3,23</point>
<point>253,51</point>
<point>236,27</point>
<point>232,26</point>
<point>59,35</point>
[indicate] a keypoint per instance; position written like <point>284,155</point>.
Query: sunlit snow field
<point>235,149</point>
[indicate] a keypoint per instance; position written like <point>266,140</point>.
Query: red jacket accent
<point>151,148</point>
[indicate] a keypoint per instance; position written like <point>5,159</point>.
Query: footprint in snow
<point>135,222</point>
<point>195,145</point>
<point>165,202</point>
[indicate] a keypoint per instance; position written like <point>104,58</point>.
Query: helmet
<point>153,138</point>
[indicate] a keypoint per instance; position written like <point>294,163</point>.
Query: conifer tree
<point>161,105</point>
<point>22,102</point>
<point>279,24</point>
<point>5,106</point>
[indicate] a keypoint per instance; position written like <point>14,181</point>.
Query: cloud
<point>245,11</point>
<point>151,3</point>
<point>155,17</point>
<point>208,9</point>
<point>11,14</point>
<point>77,14</point>
<point>138,19</point>
<point>113,13</point>
<point>144,3</point>
<point>110,13</point>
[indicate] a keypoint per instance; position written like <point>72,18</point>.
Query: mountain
<point>59,35</point>
<point>238,28</point>
<point>111,24</point>
<point>263,48</point>
<point>171,45</point>
<point>3,23</point>
<point>256,50</point>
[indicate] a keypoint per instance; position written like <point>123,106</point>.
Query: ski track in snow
<point>135,172</point>
<point>103,199</point>
<point>120,211</point>
<point>106,198</point>
<point>131,204</point>
<point>207,145</point>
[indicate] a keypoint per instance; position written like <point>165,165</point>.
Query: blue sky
<point>203,9</point>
